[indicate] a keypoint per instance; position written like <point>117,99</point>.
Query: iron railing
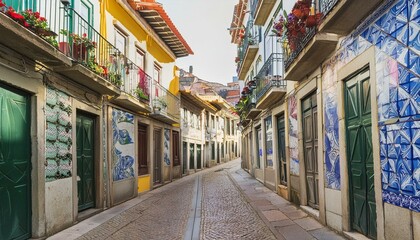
<point>77,38</point>
<point>270,75</point>
<point>322,6</point>
<point>252,101</point>
<point>250,38</point>
<point>164,102</point>
<point>137,82</point>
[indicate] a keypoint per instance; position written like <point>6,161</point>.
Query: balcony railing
<point>300,45</point>
<point>70,33</point>
<point>247,50</point>
<point>321,6</point>
<point>250,38</point>
<point>270,75</point>
<point>325,6</point>
<point>136,82</point>
<point>164,103</point>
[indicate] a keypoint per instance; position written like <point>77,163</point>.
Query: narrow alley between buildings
<point>223,202</point>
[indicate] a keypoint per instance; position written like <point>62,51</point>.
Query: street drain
<point>219,170</point>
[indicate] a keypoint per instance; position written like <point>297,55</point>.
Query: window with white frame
<point>140,58</point>
<point>157,73</point>
<point>120,41</point>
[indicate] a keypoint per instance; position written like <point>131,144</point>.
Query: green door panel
<point>15,165</point>
<point>192,165</point>
<point>359,153</point>
<point>281,144</point>
<point>198,156</point>
<point>85,162</point>
<point>310,145</point>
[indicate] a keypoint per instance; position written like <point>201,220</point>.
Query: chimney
<point>191,69</point>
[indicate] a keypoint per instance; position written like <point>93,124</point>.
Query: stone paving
<point>226,214</point>
<point>233,206</point>
<point>286,220</point>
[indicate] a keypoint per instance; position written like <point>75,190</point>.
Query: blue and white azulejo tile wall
<point>122,149</point>
<point>394,31</point>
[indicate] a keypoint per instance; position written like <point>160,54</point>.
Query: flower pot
<point>80,52</point>
<point>44,32</point>
<point>298,13</point>
<point>64,48</point>
<point>311,21</point>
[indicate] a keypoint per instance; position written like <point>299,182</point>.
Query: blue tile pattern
<point>394,30</point>
<point>332,150</point>
<point>396,37</point>
<point>166,147</point>
<point>123,149</point>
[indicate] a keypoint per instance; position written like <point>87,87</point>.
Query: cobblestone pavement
<point>222,202</point>
<point>225,212</point>
<point>162,216</point>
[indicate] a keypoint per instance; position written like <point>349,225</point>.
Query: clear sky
<point>203,24</point>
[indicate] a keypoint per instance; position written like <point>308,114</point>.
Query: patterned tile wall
<point>166,147</point>
<point>58,144</point>
<point>293,135</point>
<point>395,34</point>
<point>122,149</point>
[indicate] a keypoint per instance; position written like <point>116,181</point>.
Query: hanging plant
<point>293,26</point>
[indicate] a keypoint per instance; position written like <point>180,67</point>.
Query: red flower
<point>105,70</point>
<point>16,16</point>
<point>2,4</point>
<point>25,24</point>
<point>37,15</point>
<point>84,35</point>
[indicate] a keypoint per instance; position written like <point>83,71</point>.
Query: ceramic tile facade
<point>58,133</point>
<point>123,149</point>
<point>394,31</point>
<point>293,135</point>
<point>166,147</point>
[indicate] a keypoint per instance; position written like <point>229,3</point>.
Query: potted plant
<point>115,78</point>
<point>141,94</point>
<point>81,45</point>
<point>33,21</point>
<point>158,104</point>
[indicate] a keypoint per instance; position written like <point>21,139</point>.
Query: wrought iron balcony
<point>309,50</point>
<point>136,87</point>
<point>250,109</point>
<point>261,9</point>
<point>247,50</point>
<point>96,62</point>
<point>165,105</point>
<point>271,86</point>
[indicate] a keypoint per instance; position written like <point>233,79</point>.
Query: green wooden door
<point>310,145</point>
<point>15,165</point>
<point>85,162</point>
<point>198,156</point>
<point>184,157</point>
<point>281,144</point>
<point>359,153</point>
<point>192,156</point>
<point>157,161</point>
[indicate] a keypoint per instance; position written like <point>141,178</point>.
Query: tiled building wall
<point>58,133</point>
<point>394,31</point>
<point>122,149</point>
<point>293,135</point>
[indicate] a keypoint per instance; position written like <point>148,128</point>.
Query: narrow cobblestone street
<point>218,203</point>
